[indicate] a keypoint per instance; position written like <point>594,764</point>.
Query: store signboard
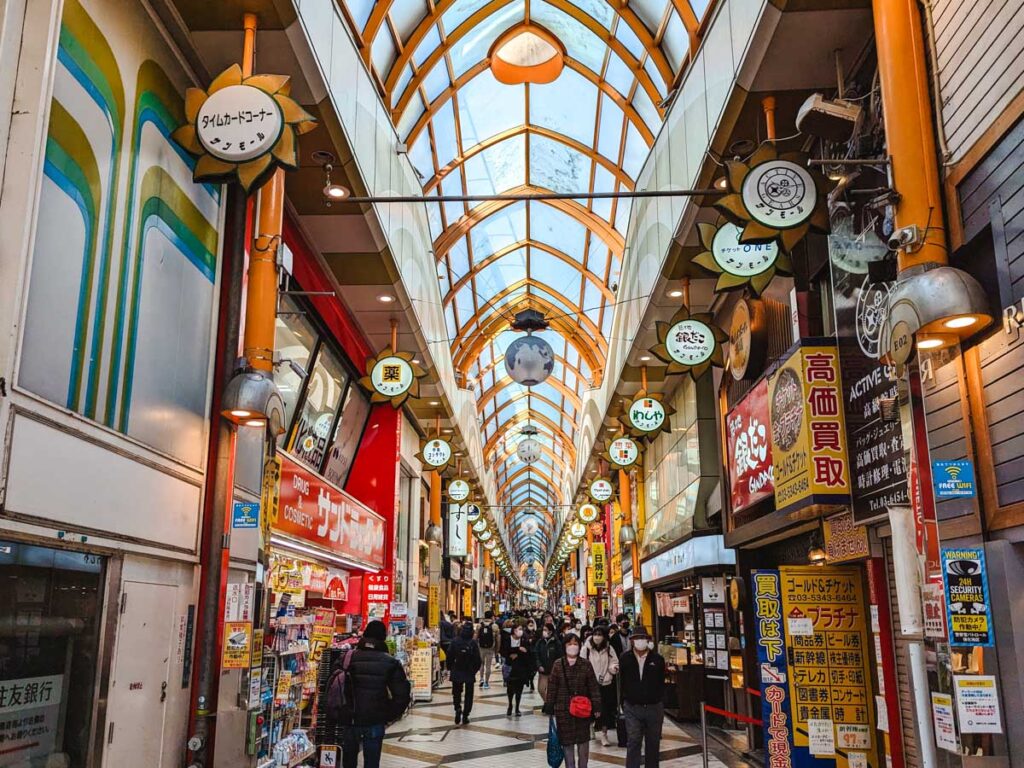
<point>809,453</point>
<point>458,530</point>
<point>420,673</point>
<point>30,712</point>
<point>434,605</point>
<point>698,552</point>
<point>844,539</point>
<point>826,639</point>
<point>748,432</point>
<point>597,552</point>
<point>315,511</point>
<point>467,603</point>
<point>337,584</point>
<point>776,708</point>
<point>967,596</point>
<point>377,596</point>
<point>953,479</point>
<point>878,465</point>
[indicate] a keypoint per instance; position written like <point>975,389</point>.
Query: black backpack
<point>485,637</point>
<point>337,689</point>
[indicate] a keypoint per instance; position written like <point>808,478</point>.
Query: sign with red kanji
<point>809,456</point>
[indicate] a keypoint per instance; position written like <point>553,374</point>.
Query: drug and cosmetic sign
<point>812,644</point>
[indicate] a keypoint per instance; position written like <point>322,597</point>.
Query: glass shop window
<point>50,609</point>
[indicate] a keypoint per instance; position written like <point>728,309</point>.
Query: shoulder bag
<point>579,706</point>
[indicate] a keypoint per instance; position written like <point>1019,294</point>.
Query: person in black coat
<point>380,694</point>
<point>464,662</point>
<point>546,651</point>
<point>642,674</point>
<point>516,651</point>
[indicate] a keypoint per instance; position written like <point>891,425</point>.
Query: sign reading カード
<point>967,597</point>
<point>808,432</point>
<point>458,530</point>
<point>771,658</point>
<point>750,449</point>
<point>878,466</point>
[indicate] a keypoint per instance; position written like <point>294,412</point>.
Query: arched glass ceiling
<point>589,130</point>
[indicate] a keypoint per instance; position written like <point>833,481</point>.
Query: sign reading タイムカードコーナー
<point>808,432</point>
<point>313,510</point>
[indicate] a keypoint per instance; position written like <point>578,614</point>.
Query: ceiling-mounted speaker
<point>832,119</point>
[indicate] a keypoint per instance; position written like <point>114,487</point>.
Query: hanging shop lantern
<point>647,415</point>
<point>529,360</point>
<point>490,544</point>
<point>528,449</point>
<point>578,530</point>
<point>601,490</point>
<point>473,513</point>
<point>436,453</point>
<point>480,525</point>
<point>775,197</point>
<point>588,513</point>
<point>248,150</point>
<point>689,343</point>
<point>739,264</point>
<point>623,452</point>
<point>458,490</point>
<point>393,377</point>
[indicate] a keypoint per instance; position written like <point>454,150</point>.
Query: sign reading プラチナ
<point>967,596</point>
<point>808,434</point>
<point>953,478</point>
<point>749,441</point>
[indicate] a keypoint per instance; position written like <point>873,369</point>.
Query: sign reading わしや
<point>317,512</point>
<point>808,431</point>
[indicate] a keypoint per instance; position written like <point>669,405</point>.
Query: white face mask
<point>572,650</point>
<point>640,645</point>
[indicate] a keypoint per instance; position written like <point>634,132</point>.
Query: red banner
<point>313,510</point>
<point>750,449</point>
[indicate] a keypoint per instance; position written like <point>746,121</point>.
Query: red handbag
<point>579,706</point>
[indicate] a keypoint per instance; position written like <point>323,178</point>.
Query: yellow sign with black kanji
<point>600,563</point>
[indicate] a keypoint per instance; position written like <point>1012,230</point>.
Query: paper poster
<point>420,672</point>
<point>944,722</point>
<point>255,684</point>
<point>284,684</point>
<point>857,759</point>
<point>800,625</point>
<point>237,645</point>
<point>883,714</point>
<point>257,648</point>
<point>977,704</point>
<point>821,737</point>
<point>850,736</point>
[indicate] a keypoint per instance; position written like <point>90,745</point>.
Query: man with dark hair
<point>487,636</point>
<point>643,689</point>
<point>464,663</point>
<point>380,694</point>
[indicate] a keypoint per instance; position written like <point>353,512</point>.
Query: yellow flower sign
<point>242,128</point>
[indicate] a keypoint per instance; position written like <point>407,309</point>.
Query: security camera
<point>904,238</point>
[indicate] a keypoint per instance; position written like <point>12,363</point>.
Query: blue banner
<point>953,479</point>
<point>245,514</point>
<point>771,658</point>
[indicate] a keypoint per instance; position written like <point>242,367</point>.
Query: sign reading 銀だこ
<point>748,435</point>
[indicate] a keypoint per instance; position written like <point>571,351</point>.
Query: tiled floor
<point>429,738</point>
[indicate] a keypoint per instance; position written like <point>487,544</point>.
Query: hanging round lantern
<point>623,452</point>
<point>529,360</point>
<point>578,530</point>
<point>588,513</point>
<point>601,490</point>
<point>528,449</point>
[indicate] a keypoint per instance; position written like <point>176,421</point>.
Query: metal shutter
<point>911,752</point>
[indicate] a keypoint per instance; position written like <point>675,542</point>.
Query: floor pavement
<point>428,737</point>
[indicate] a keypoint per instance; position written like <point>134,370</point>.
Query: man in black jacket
<point>380,694</point>
<point>642,672</point>
<point>464,662</point>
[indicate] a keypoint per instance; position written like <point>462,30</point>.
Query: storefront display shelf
<point>299,759</point>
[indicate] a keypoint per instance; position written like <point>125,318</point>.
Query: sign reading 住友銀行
<point>953,479</point>
<point>809,455</point>
<point>967,597</point>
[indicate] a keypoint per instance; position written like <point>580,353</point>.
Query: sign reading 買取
<point>967,597</point>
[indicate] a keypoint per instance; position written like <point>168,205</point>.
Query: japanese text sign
<point>771,658</point>
<point>844,539</point>
<point>315,511</point>
<point>808,433</point>
<point>967,597</point>
<point>750,449</point>
<point>245,514</point>
<point>600,563</point>
<point>458,530</point>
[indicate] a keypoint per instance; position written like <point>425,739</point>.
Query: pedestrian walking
<point>605,661</point>
<point>642,672</point>
<point>464,662</point>
<point>447,634</point>
<point>574,700</point>
<point>516,653</point>
<point>486,638</point>
<point>546,651</point>
<point>531,637</point>
<point>377,693</point>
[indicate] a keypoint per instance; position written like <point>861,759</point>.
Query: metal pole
<point>704,734</point>
<point>539,196</point>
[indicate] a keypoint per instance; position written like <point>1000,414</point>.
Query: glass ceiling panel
<point>652,41</point>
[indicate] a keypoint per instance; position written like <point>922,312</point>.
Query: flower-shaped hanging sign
<point>241,128</point>
<point>689,343</point>
<point>775,197</point>
<point>393,377</point>
<point>623,452</point>
<point>739,264</point>
<point>647,415</point>
<point>436,453</point>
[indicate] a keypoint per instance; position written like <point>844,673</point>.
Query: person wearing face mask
<point>531,636</point>
<point>516,651</point>
<point>546,651</point>
<point>602,657</point>
<point>617,639</point>
<point>642,672</point>
<point>573,676</point>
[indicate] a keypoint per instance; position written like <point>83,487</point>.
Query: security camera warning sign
<point>967,604</point>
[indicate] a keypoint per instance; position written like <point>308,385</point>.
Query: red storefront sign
<point>377,596</point>
<point>313,510</point>
<point>750,449</point>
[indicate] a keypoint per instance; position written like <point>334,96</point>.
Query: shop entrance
<point>141,676</point>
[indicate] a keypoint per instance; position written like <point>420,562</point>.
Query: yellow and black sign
<point>600,563</point>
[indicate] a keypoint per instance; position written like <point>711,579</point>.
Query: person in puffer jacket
<point>380,694</point>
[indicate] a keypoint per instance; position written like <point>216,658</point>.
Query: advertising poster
<point>591,582</point>
<point>30,712</point>
<point>377,596</point>
<point>953,479</point>
<point>771,657</point>
<point>257,649</point>
<point>237,645</point>
<point>967,596</point>
<point>829,670</point>
<point>977,704</point>
<point>748,431</point>
<point>944,722</point>
<point>245,514</point>
<point>809,453</point>
<point>844,539</point>
<point>420,673</point>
